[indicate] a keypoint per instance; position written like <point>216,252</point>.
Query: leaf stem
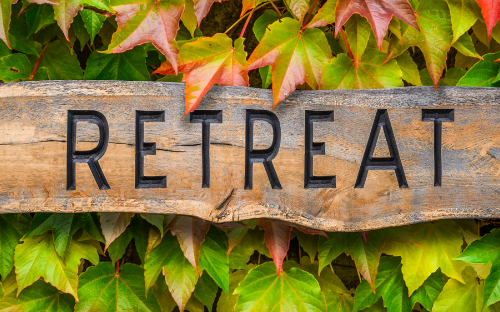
<point>310,12</point>
<point>117,267</point>
<point>246,23</point>
<point>38,62</point>
<point>244,16</point>
<point>347,43</point>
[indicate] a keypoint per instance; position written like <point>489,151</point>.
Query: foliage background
<point>132,262</point>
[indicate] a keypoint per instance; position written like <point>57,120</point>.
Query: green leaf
<point>180,275</point>
<point>465,46</point>
<point>188,17</point>
<point>5,13</point>
<point>308,242</point>
<point>59,63</point>
<point>113,224</point>
<point>12,228</point>
<point>66,11</point>
<point>206,290</point>
<point>80,31</point>
<point>118,247</point>
<point>358,32</point>
<point>409,69</point>
<point>129,65</point>
<point>463,297</point>
<point>213,258</point>
<point>19,37</point>
<point>464,13</point>
<point>4,50</point>
<point>228,302</point>
<point>154,219</point>
<point>93,22</point>
<point>389,285</point>
<point>38,17</point>
<point>485,250</point>
<point>292,290</point>
<point>102,288</point>
<point>336,302</point>
<point>429,291</point>
<point>37,257</point>
<point>40,296</point>
<point>483,73</point>
<point>341,72</point>
<point>439,242</point>
<point>62,225</point>
<point>261,24</point>
<point>328,280</point>
<point>329,249</point>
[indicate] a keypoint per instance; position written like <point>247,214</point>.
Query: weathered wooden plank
<point>33,151</point>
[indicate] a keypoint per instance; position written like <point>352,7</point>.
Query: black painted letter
<point>438,116</point>
<point>381,163</point>
<point>264,156</point>
<point>90,157</point>
<point>146,148</point>
<point>315,148</point>
<point>206,117</point>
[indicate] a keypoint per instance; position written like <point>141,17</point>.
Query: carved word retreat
<point>264,156</point>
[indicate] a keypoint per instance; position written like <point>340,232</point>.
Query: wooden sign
<point>329,160</point>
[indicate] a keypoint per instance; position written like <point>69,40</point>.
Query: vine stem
<point>275,7</point>
<point>246,23</point>
<point>38,62</point>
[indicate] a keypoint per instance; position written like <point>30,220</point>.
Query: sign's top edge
<point>391,97</point>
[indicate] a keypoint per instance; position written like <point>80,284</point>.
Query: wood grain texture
<point>33,127</point>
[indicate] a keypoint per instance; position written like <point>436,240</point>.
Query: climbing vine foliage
<point>140,262</point>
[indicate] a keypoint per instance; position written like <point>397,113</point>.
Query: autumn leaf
<point>190,233</point>
<point>491,13</point>
<point>277,237</point>
<point>296,56</point>
<point>299,8</point>
<point>248,5</point>
<point>113,224</point>
<point>378,13</point>
<point>147,21</point>
<point>207,61</point>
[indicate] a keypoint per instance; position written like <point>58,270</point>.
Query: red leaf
<point>378,13</point>
<point>207,61</point>
<point>311,231</point>
<point>491,13</point>
<point>190,233</point>
<point>277,237</point>
<point>148,21</point>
